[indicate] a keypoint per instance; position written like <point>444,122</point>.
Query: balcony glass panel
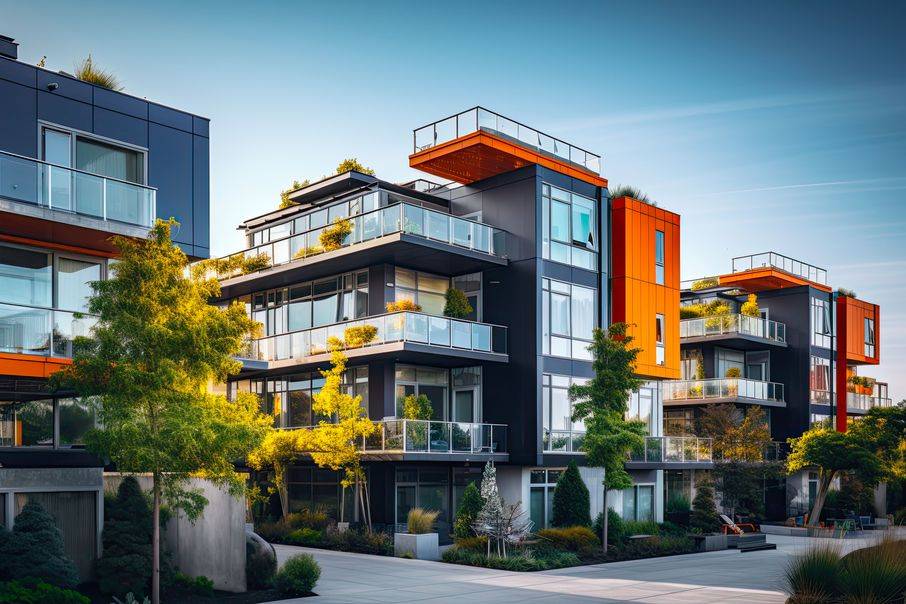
<point>722,388</point>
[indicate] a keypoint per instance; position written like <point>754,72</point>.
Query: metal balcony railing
<point>781,262</point>
<point>865,402</point>
<point>397,218</point>
<point>698,390</point>
<point>563,441</point>
<point>427,436</point>
<point>733,324</point>
<point>481,119</point>
<point>406,326</point>
<point>41,331</point>
<point>674,449</point>
<point>66,189</point>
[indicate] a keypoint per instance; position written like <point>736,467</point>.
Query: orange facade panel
<point>33,366</point>
<point>480,155</point>
<point>766,278</point>
<point>858,327</point>
<point>636,296</point>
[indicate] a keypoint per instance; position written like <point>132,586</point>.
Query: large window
<point>569,228</point>
<point>425,289</point>
<point>679,422</point>
<point>426,488</point>
<point>642,407</point>
<point>560,433</point>
<point>568,314</point>
<point>25,277</point>
<point>822,328</point>
<point>429,381</point>
<point>542,483</point>
<point>318,488</point>
<point>74,278</point>
<point>311,303</point>
<point>730,359</point>
<point>638,503</point>
<point>659,257</point>
<point>820,376</point>
<point>35,423</point>
<point>869,337</point>
<point>76,150</point>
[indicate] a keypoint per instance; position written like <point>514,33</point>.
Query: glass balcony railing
<point>562,441</point>
<point>69,190</point>
<point>41,331</point>
<point>733,324</point>
<point>426,436</point>
<point>480,119</point>
<point>697,390</point>
<point>781,262</point>
<point>854,400</point>
<point>407,326</point>
<point>674,449</point>
<point>397,218</point>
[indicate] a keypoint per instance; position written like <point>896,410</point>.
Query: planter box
<point>710,543</point>
<point>342,527</point>
<point>423,547</point>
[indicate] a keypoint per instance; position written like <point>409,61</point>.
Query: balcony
<point>723,390</point>
<point>435,440</point>
<point>33,189</point>
<point>770,270</point>
<point>736,326</point>
<point>41,331</point>
<point>401,233</point>
<point>863,402</point>
<point>478,143</point>
<point>672,452</point>
<point>562,441</point>
<point>403,335</point>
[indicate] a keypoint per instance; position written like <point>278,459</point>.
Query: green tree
<point>883,430</point>
<point>467,512</point>
<point>704,511</point>
<point>34,548</point>
<point>457,304</point>
<point>284,194</point>
<point>572,505</point>
<point>417,407</point>
<point>602,405</point>
<point>832,453</point>
<point>157,345</point>
<point>125,565</point>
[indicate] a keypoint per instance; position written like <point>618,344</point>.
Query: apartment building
<point>795,350</point>
<point>78,164</point>
<point>526,229</point>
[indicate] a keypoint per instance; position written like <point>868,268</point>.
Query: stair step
<point>756,547</point>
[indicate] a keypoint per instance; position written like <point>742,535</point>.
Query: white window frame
<point>75,133</point>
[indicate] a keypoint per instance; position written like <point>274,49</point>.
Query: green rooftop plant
<point>420,521</point>
<point>705,283</point>
<point>846,293</point>
<point>333,236</point>
<point>88,72</point>
<point>632,192</point>
<point>350,163</point>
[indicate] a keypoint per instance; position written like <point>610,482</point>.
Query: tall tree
<point>157,345</point>
<point>736,435</point>
<point>833,453</point>
<point>602,404</point>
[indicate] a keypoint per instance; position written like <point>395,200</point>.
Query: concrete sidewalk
<point>726,576</point>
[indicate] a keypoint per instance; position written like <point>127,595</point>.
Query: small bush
<point>32,591</point>
<point>125,565</point>
<point>517,562</point>
<point>577,539</point>
<point>199,585</point>
<point>34,549</point>
<point>259,568</point>
<point>421,521</point>
<point>475,544</point>
<point>571,499</point>
<point>305,536</point>
<point>457,304</point>
<point>333,236</point>
<point>640,527</point>
<point>356,337</point>
<point>468,510</point>
<point>658,545</point>
<point>705,283</point>
<point>678,503</point>
<point>615,527</point>
<point>362,542</point>
<point>401,305</point>
<point>876,573</point>
<point>417,407</point>
<point>298,576</point>
<point>750,308</point>
<point>733,372</point>
<point>88,72</point>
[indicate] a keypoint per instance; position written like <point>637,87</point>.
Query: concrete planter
<point>342,527</point>
<point>710,543</point>
<point>423,547</point>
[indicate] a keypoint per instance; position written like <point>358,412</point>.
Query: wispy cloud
<point>811,185</point>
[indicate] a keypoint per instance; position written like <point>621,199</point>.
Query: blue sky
<point>768,126</point>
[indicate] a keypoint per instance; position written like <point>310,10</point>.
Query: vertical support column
<point>839,362</point>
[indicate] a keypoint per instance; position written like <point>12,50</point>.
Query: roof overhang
<point>766,278</point>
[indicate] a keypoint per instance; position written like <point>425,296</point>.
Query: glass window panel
<point>405,278</point>
<point>645,511</point>
<point>560,409</point>
<point>432,283</point>
<point>433,304</point>
<point>318,219</point>
<point>324,310</point>
<point>583,312</point>
<point>583,216</point>
<point>536,507</point>
<point>583,259</point>
<point>76,418</point>
<point>25,277</point>
<point>561,252</point>
<point>109,160</point>
<point>560,311</point>
<point>629,504</point>
<point>560,221</point>
<point>34,421</point>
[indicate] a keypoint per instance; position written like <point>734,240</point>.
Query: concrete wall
<point>214,545</point>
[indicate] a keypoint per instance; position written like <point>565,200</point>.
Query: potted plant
<point>733,374</point>
<point>420,540</point>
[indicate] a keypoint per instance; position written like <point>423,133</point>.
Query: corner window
<point>560,433</point>
<point>568,228</point>
<point>659,257</point>
<point>568,319</point>
<point>822,328</point>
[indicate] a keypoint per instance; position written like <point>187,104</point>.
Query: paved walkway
<point>726,576</point>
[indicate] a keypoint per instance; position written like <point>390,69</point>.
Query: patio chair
<point>737,529</point>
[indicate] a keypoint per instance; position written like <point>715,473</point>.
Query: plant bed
<point>185,596</point>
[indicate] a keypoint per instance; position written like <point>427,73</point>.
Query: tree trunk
<point>820,496</point>
<point>367,504</point>
<point>282,492</point>
<point>605,522</point>
<point>155,542</point>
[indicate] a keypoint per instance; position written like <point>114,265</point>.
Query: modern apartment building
<point>796,353</point>
<point>78,164</point>
<point>527,230</point>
